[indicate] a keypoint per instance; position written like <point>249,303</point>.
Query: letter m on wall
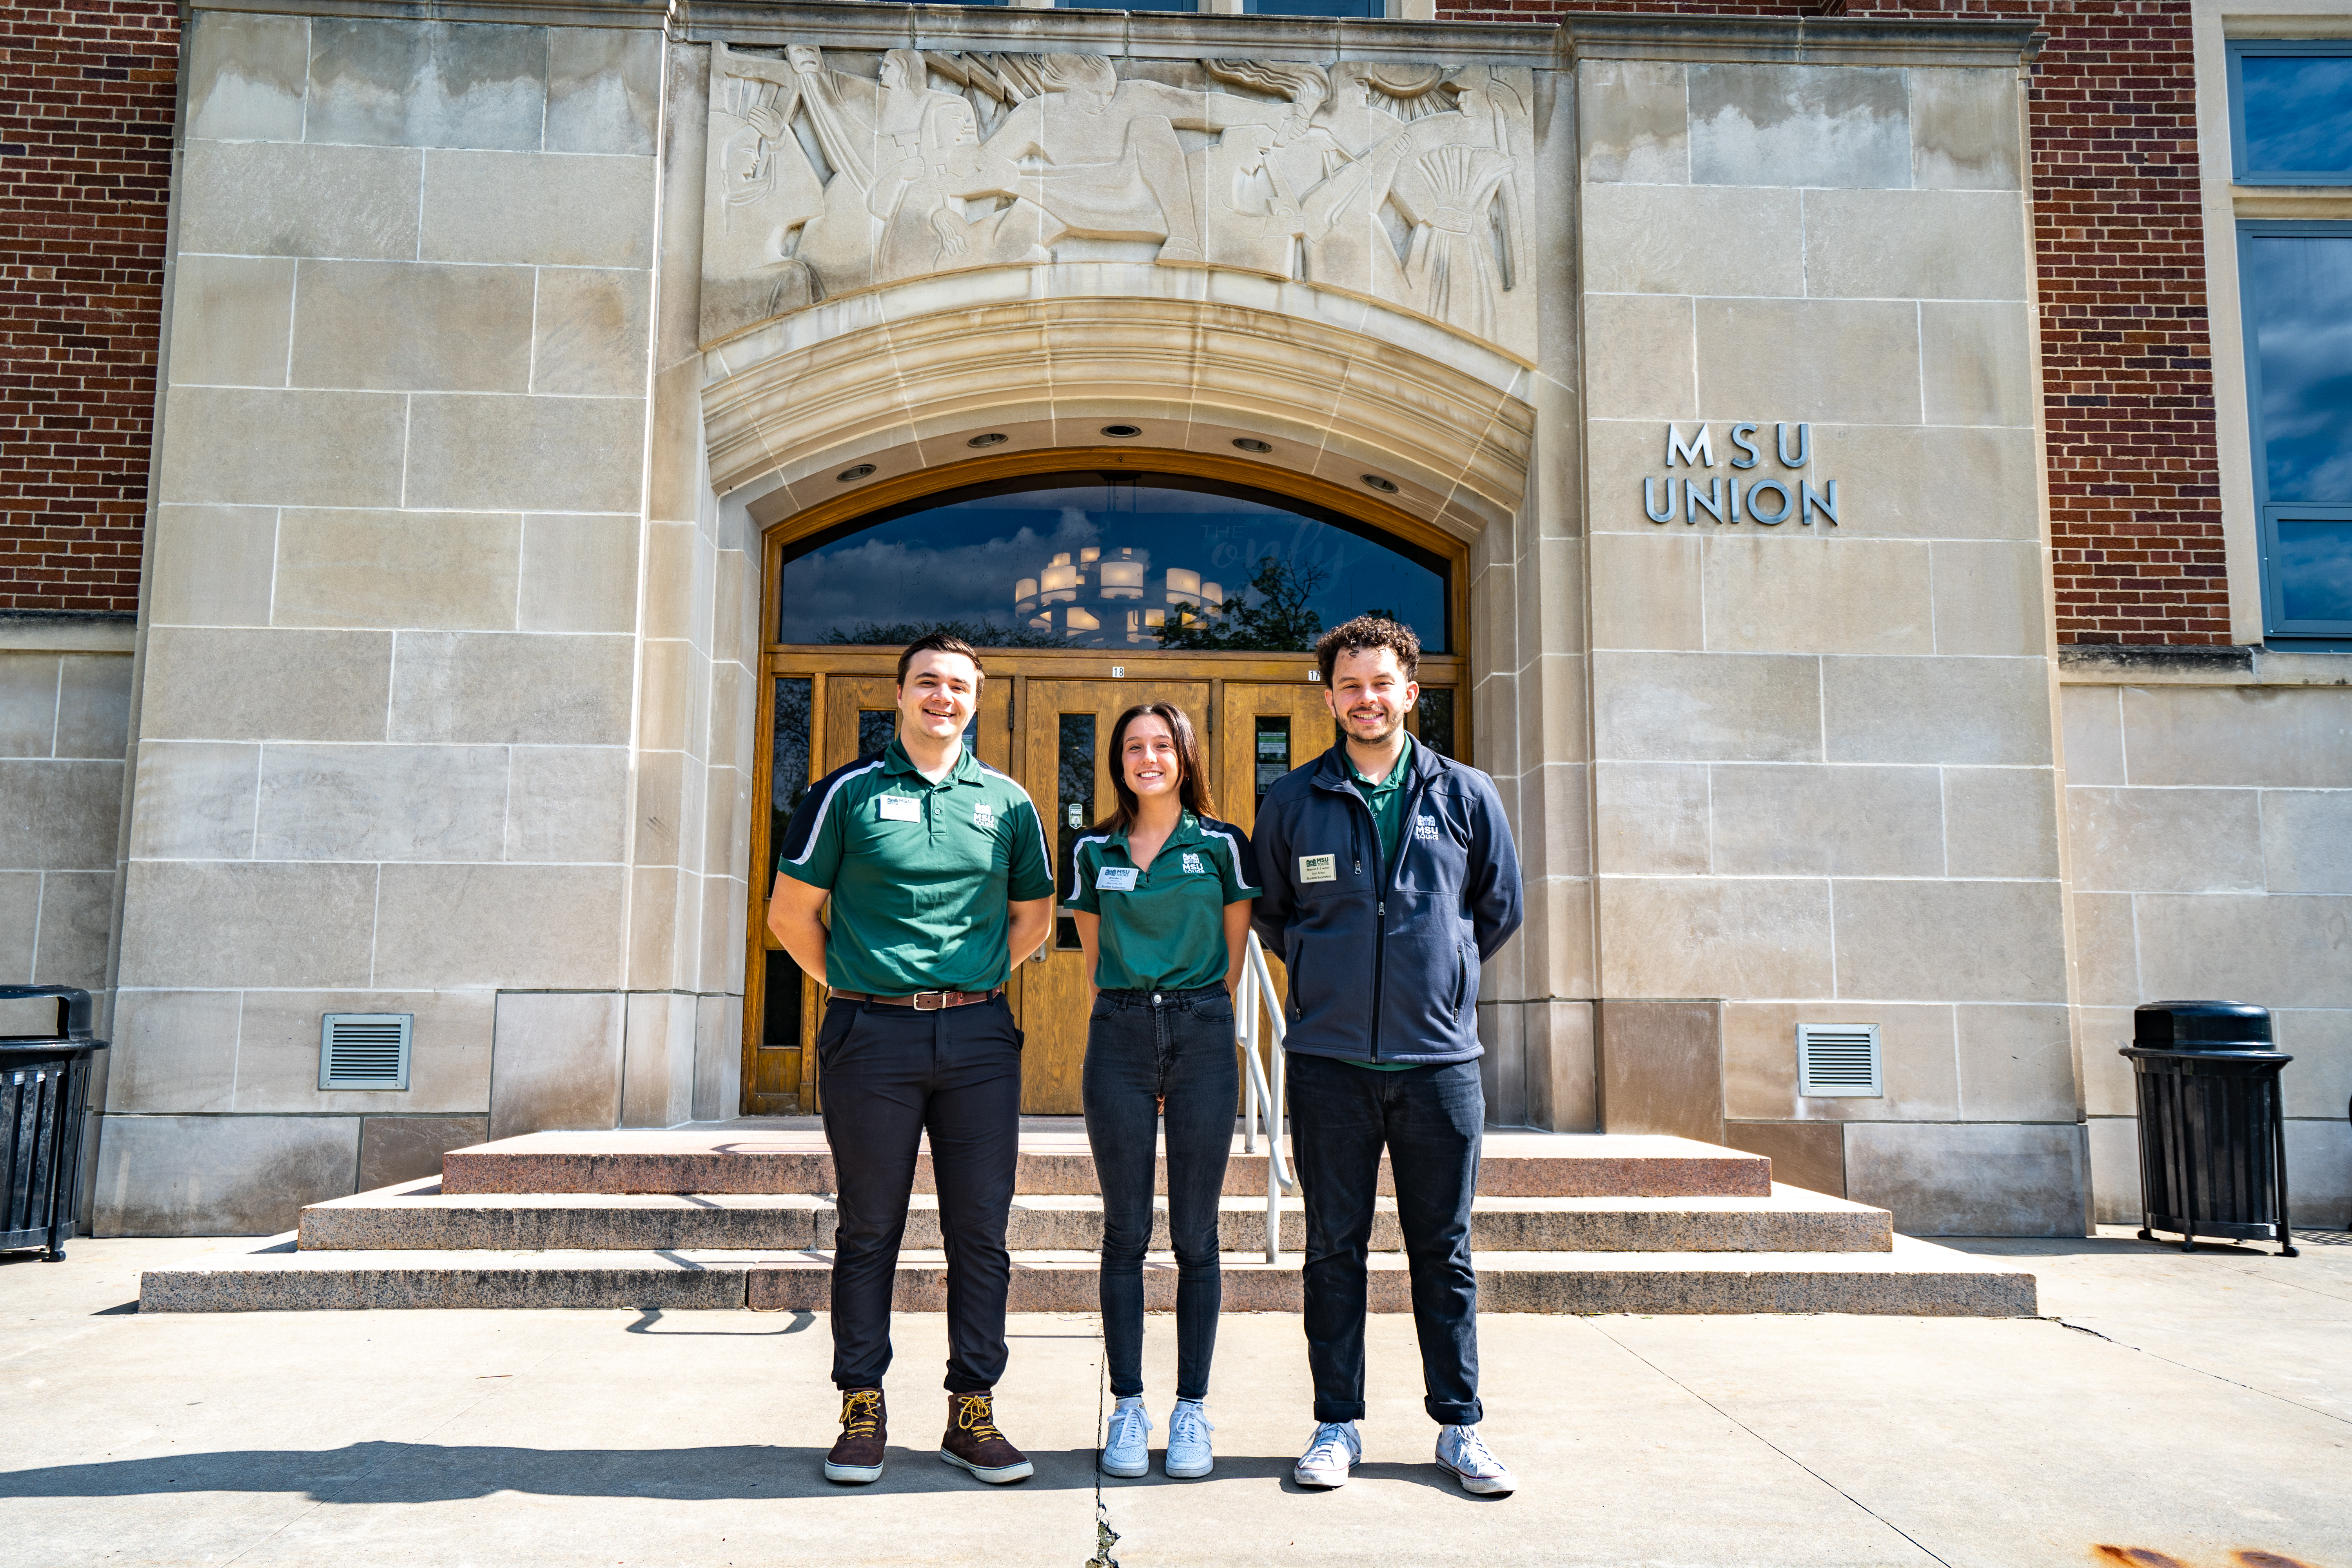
<point>1699,449</point>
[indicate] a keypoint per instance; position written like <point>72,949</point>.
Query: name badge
<point>1115,880</point>
<point>1318,868</point>
<point>898,807</point>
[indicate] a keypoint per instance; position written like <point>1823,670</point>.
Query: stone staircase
<point>736,1215</point>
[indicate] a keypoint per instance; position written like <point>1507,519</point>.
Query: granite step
<point>1915,1278</point>
<point>747,1159</point>
<point>419,1215</point>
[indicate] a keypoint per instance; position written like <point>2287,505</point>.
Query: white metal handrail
<point>1256,1004</point>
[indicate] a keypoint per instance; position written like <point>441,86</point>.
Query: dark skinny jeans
<point>1146,1050</point>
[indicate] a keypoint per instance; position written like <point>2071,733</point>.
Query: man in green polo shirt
<point>938,873</point>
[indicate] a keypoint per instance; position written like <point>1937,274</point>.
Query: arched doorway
<point>1092,579</point>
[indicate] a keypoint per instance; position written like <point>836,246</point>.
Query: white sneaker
<point>1127,1450</point>
<point>1188,1457</point>
<point>1325,1464</point>
<point>1463,1453</point>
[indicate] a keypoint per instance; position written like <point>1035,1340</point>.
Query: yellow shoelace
<point>976,1413</point>
<point>861,1412</point>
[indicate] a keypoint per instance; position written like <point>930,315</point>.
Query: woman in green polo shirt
<point>1162,895</point>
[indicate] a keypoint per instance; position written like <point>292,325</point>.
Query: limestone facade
<point>497,345</point>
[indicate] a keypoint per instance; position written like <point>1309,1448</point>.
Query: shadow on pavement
<point>365,1473</point>
<point>2092,1246</point>
<point>1256,1467</point>
<point>362,1474</point>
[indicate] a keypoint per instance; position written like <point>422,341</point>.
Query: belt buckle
<point>938,1001</point>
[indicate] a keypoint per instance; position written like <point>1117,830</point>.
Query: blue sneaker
<point>1188,1441</point>
<point>1126,1448</point>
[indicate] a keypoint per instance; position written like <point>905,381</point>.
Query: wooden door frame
<point>1020,666</point>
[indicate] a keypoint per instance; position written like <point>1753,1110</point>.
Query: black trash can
<point>44,1091</point>
<point>2213,1127</point>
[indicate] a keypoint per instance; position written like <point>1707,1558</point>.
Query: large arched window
<point>1107,560</point>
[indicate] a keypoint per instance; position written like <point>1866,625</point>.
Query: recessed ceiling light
<point>1386,486</point>
<point>864,471</point>
<point>1252,443</point>
<point>994,438</point>
<point>1122,432</point>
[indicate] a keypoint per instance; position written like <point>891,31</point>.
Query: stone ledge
<point>418,1217</point>
<point>1917,1279</point>
<point>639,14</point>
<point>34,631</point>
<point>2240,664</point>
<point>1161,35</point>
<point>734,1160</point>
<point>1806,40</point>
<point>1137,34</point>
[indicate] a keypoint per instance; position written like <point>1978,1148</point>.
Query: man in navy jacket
<point>1389,877</point>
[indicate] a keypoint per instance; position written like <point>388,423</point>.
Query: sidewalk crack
<point>1105,1536</point>
<point>1767,1442</point>
<point>2200,1372</point>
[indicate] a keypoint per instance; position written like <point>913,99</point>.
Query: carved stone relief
<point>830,172</point>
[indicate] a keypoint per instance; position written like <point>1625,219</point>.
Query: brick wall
<point>2134,508</point>
<point>86,105</point>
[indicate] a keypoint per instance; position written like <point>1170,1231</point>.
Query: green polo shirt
<point>1163,926</point>
<point>919,873</point>
<point>1387,800</point>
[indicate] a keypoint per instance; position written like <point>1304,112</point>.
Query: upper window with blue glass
<point>1107,560</point>
<point>2296,279</point>
<point>2291,112</point>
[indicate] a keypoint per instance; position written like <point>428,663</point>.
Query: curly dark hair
<point>1369,633</point>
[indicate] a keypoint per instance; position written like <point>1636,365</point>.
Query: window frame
<point>2239,48</point>
<point>2317,636</point>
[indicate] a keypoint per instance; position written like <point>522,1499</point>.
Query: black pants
<point>1146,1051</point>
<point>889,1075</point>
<point>1431,1121</point>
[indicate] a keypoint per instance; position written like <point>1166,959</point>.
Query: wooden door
<point>1065,728</point>
<point>1264,730</point>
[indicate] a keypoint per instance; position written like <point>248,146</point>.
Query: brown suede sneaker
<point>974,1443</point>
<point>857,1457</point>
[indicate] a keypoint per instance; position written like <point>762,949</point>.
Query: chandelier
<point>1104,596</point>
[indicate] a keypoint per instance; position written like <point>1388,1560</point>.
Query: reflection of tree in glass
<point>980,634</point>
<point>1270,616</point>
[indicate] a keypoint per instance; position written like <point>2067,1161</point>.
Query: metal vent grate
<point>364,1050</point>
<point>1837,1060</point>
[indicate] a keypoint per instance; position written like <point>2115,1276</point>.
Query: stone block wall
<point>1823,751</point>
<point>418,724</point>
<point>2208,808</point>
<point>64,713</point>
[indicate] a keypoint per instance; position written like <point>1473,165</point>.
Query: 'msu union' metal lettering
<point>1768,501</point>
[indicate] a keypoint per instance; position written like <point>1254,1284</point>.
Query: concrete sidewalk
<point>2199,1407</point>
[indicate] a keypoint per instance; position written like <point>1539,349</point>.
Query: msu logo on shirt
<point>1192,862</point>
<point>983,816</point>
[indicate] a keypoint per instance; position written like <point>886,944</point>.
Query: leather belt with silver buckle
<point>922,1001</point>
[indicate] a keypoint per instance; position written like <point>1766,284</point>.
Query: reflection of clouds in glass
<point>2298,112</point>
<point>2303,307</point>
<point>958,562</point>
<point>962,560</point>
<point>2316,570</point>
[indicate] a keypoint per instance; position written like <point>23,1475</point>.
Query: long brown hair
<point>1192,778</point>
